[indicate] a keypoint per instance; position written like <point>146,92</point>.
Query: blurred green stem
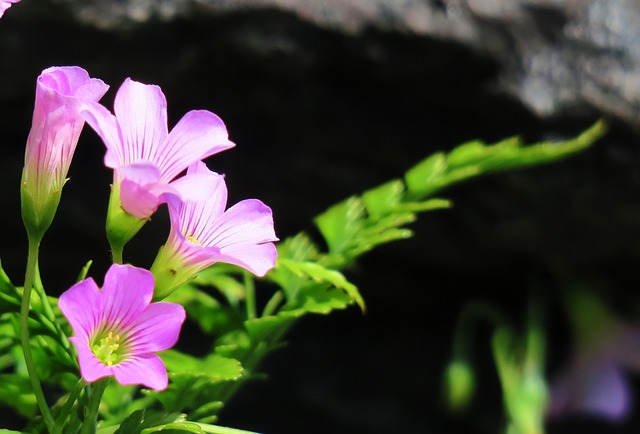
<point>91,415</point>
<point>32,264</point>
<point>250,290</point>
<point>68,405</point>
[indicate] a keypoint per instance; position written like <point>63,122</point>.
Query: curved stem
<point>250,295</point>
<point>32,264</point>
<point>91,416</point>
<point>273,303</point>
<point>66,408</point>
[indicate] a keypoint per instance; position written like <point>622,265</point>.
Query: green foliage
<point>311,281</point>
<point>476,158</point>
<point>194,381</point>
<point>147,421</point>
<point>307,279</point>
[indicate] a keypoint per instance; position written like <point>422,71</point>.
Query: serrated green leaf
<point>383,199</point>
<point>320,274</point>
<point>476,158</point>
<point>141,420</point>
<point>426,173</point>
<point>381,238</point>
<point>427,205</point>
<point>214,366</point>
<point>264,328</point>
<point>195,383</point>
<point>340,223</point>
<point>319,299</point>
<point>299,248</point>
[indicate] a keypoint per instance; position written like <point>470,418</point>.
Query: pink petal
<point>91,369</point>
<point>157,329</point>
<point>198,187</point>
<point>246,223</point>
<point>594,386</point>
<point>56,125</point>
<point>147,369</point>
<point>141,111</point>
<point>196,216</point>
<point>258,259</point>
<point>126,292</point>
<point>82,306</point>
<point>138,192</point>
<point>106,126</point>
<point>138,200</point>
<point>196,136</point>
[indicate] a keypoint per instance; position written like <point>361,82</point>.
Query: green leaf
<point>320,274</point>
<point>299,248</point>
<point>85,270</point>
<point>476,158</point>
<point>216,367</point>
<point>147,421</point>
<point>265,328</point>
<point>384,198</point>
<point>218,276</point>
<point>15,391</point>
<point>341,223</point>
<point>197,383</point>
<point>205,310</point>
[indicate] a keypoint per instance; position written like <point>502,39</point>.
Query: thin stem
<point>91,416</point>
<point>215,429</point>
<point>116,252</point>
<point>250,296</point>
<point>32,264</point>
<point>273,303</point>
<point>66,408</point>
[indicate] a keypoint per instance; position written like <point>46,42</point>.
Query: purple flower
<point>594,381</point>
<point>55,129</point>
<point>6,4</point>
<point>117,329</point>
<point>203,233</point>
<point>146,158</point>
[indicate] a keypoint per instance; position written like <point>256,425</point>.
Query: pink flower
<point>594,381</point>
<point>117,329</point>
<point>55,129</point>
<point>146,158</point>
<point>203,233</point>
<point>6,4</point>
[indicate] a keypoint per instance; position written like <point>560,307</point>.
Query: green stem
<point>91,416</point>
<point>116,252</point>
<point>250,289</point>
<point>273,304</point>
<point>215,429</point>
<point>32,264</point>
<point>66,408</point>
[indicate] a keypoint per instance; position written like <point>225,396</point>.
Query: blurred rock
<point>558,58</point>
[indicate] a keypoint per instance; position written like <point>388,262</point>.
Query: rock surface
<point>558,58</point>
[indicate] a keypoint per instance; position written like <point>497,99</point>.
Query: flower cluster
<point>117,329</point>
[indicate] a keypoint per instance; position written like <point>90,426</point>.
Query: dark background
<point>320,112</point>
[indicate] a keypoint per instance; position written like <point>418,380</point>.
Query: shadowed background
<point>328,98</point>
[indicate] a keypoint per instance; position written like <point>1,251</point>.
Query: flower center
<point>106,349</point>
<point>194,240</point>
